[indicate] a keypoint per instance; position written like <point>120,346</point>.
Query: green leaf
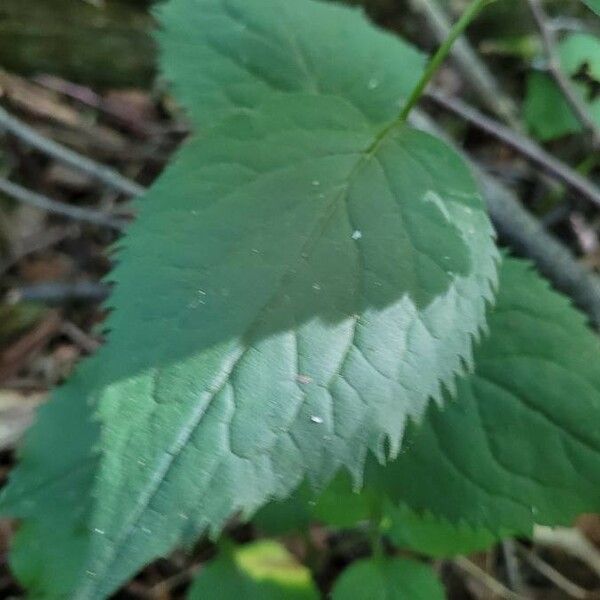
<point>289,280</point>
<point>521,443</point>
<point>547,112</point>
<point>294,514</point>
<point>581,52</point>
<point>432,536</point>
<point>593,5</point>
<point>388,579</point>
<point>262,570</point>
<point>300,281</point>
<point>50,492</point>
<point>341,507</point>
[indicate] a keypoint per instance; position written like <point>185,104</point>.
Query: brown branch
<point>524,146</point>
<point>102,173</point>
<point>42,202</point>
<point>491,583</point>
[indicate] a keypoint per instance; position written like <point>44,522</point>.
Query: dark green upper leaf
<point>521,442</point>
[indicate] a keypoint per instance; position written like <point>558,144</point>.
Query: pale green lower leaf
<point>580,54</point>
<point>339,506</point>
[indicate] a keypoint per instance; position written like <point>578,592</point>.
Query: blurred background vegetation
<point>106,43</point>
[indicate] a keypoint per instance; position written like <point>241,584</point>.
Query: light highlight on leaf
<point>262,570</point>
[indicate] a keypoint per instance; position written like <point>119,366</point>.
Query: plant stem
<point>473,70</point>
<point>375,532</point>
<point>440,56</point>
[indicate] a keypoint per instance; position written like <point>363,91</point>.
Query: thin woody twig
<point>80,337</point>
<point>102,173</point>
<point>572,541</point>
<point>76,213</point>
<point>550,573</point>
<point>524,146</point>
<point>495,586</point>
<point>549,40</point>
<point>511,562</point>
